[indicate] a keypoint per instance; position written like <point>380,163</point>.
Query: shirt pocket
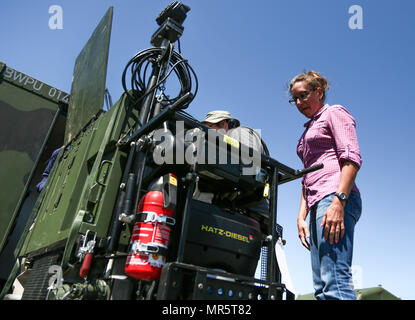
<point>319,141</point>
<point>316,133</point>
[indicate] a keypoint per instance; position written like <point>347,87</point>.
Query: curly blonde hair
<point>313,80</point>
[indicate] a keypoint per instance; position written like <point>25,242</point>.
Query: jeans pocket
<point>354,206</point>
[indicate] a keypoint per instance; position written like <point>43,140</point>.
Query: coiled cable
<point>138,67</point>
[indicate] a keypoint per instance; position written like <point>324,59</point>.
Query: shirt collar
<point>317,114</point>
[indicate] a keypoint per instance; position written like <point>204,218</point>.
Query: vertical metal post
<point>116,227</point>
<point>186,213</point>
<point>159,68</point>
<point>274,271</point>
<point>148,100</point>
<point>142,120</point>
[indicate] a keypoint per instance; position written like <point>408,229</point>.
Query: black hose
<point>138,66</point>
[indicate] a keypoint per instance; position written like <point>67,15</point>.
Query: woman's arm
<point>301,222</point>
<point>333,220</point>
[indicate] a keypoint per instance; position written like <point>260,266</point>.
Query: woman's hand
<point>333,221</point>
<point>303,232</point>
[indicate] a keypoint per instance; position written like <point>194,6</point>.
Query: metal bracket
<point>152,217</point>
<point>87,247</point>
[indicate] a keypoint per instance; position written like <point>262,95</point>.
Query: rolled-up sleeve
<point>343,128</point>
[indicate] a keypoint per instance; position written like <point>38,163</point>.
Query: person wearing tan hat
<point>223,122</point>
<point>219,119</point>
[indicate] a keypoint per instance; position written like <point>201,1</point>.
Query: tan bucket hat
<point>217,116</point>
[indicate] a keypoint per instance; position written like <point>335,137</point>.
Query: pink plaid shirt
<point>330,138</point>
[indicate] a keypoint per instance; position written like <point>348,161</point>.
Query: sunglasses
<point>301,96</point>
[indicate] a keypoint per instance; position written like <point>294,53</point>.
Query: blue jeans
<point>331,264</point>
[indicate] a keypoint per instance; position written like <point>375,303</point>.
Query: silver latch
<point>87,247</point>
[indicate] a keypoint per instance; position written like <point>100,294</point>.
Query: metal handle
<point>99,172</point>
<point>308,170</point>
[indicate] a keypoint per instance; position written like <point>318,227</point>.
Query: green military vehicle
<point>32,124</point>
<point>118,217</point>
<point>375,293</point>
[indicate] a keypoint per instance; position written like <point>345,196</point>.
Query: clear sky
<point>244,54</point>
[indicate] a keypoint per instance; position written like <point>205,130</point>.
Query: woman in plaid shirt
<point>329,195</point>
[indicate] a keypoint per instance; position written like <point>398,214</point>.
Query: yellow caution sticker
<point>266,190</point>
<point>231,141</point>
<point>173,180</point>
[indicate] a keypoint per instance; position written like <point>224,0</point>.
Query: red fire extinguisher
<point>151,233</point>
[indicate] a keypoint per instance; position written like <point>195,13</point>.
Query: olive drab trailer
<point>120,216</point>
<point>32,124</point>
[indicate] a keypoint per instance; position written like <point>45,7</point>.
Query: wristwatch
<point>342,196</point>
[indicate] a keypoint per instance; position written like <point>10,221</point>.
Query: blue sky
<point>244,54</point>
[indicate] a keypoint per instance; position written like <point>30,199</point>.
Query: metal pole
<point>186,213</point>
<point>274,270</point>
